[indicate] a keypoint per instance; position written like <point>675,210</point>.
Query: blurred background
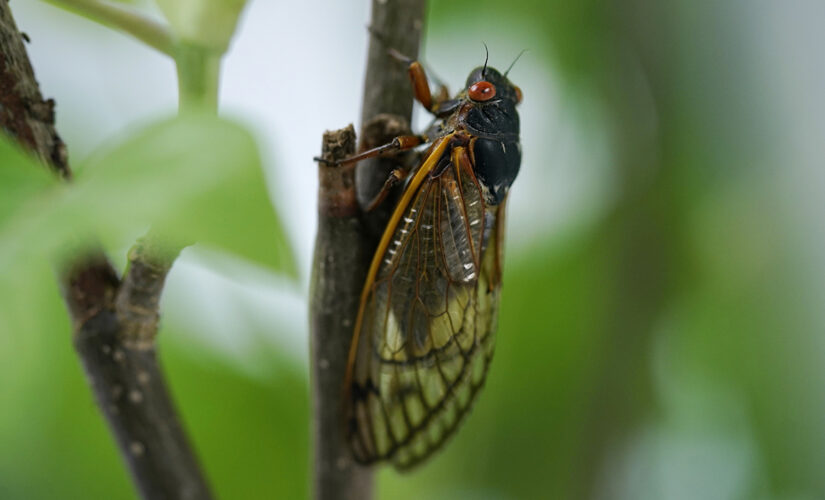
<point>661,328</point>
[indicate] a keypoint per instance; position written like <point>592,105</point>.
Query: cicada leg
<point>421,84</point>
<point>397,175</point>
<point>439,105</point>
<point>400,143</point>
<point>418,78</point>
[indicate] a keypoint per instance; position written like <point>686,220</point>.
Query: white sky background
<point>294,70</point>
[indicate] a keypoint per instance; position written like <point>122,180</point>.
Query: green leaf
<point>191,179</point>
<point>23,181</point>
<point>207,23</point>
<point>21,177</point>
<point>196,178</point>
<point>274,435</point>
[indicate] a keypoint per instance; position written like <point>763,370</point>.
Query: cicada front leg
<point>418,78</point>
<point>397,145</point>
<point>421,85</point>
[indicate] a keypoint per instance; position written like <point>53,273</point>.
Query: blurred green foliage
<point>252,435</point>
<point>666,351</point>
<point>207,23</point>
<point>196,178</point>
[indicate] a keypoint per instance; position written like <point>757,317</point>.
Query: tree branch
<point>127,381</point>
<point>114,321</point>
<point>131,392</point>
<point>24,114</point>
<point>339,267</point>
<point>388,97</point>
<point>138,300</point>
<point>347,238</point>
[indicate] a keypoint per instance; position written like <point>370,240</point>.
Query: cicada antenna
<point>514,62</point>
<point>486,58</point>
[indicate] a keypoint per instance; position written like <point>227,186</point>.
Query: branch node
<point>137,303</point>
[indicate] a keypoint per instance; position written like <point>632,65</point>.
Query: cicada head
<point>493,99</point>
<point>492,117</point>
<point>486,84</point>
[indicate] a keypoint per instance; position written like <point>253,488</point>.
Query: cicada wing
<point>428,320</point>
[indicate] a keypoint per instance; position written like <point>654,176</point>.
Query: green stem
<point>124,19</point>
<point>198,78</point>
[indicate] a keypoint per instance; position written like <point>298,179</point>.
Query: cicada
<point>426,325</point>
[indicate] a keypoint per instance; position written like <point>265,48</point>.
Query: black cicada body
<point>425,330</point>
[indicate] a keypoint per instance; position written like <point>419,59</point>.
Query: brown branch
<point>388,97</point>
<point>130,389</point>
<point>129,386</point>
<point>114,321</point>
<point>339,268</point>
<point>24,114</point>
<point>347,238</point>
<point>138,300</point>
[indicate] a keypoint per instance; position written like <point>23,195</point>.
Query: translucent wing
<point>426,328</point>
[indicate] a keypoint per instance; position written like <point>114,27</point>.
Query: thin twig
<point>138,299</point>
<point>130,390</point>
<point>125,19</point>
<point>129,386</point>
<point>347,238</point>
<point>114,321</point>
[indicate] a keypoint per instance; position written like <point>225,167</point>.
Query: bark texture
<point>388,98</point>
<point>347,237</point>
<point>24,114</point>
<point>339,267</point>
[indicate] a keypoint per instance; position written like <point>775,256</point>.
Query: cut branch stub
<point>336,184</point>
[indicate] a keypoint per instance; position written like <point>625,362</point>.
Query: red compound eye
<point>482,91</point>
